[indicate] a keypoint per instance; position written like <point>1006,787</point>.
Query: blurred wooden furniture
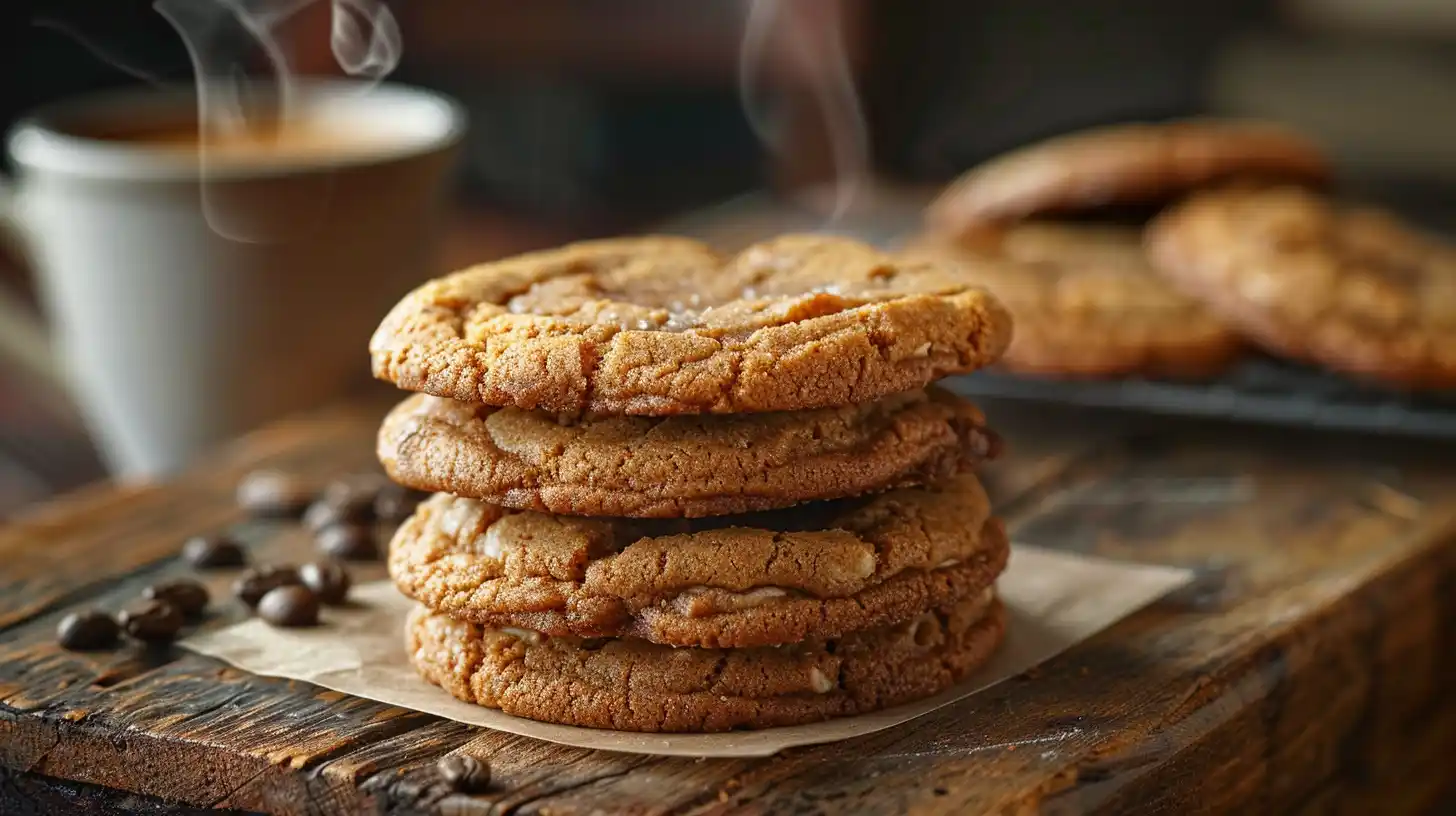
<point>1309,669</point>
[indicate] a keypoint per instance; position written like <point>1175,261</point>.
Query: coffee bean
<point>187,595</point>
<point>289,606</point>
<point>339,510</point>
<point>328,580</point>
<point>88,630</point>
<point>252,585</point>
<point>273,493</point>
<point>151,621</point>
<point>353,497</point>
<point>351,542</point>
<point>463,773</point>
<point>395,502</point>
<point>213,552</point>
<point>356,487</point>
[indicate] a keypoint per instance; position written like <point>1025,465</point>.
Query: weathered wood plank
<point>206,735</point>
<point>33,795</point>
<point>165,723</point>
<point>1315,654</point>
<point>1259,689</point>
<point>54,553</point>
<point>177,726</point>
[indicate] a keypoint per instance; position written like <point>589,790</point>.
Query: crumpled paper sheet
<point>1053,600</point>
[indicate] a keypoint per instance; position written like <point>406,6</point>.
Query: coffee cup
<point>198,290</point>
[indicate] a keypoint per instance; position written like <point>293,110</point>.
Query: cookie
<point>1088,304</point>
<point>1352,289</point>
<point>1129,164</point>
<point>817,570</point>
<point>630,685</point>
<point>691,466</point>
<point>662,326</point>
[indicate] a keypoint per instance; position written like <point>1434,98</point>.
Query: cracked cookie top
<point>661,326</point>
<point>1126,164</point>
<point>1350,288</point>
<point>700,465</point>
<point>819,569</point>
<point>632,685</point>
<point>1087,302</point>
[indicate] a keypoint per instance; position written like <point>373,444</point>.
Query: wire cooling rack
<point>1259,390</point>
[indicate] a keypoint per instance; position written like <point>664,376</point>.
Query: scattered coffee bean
<point>328,580</point>
<point>187,595</point>
<point>88,630</point>
<point>213,552</point>
<point>151,621</point>
<point>289,606</point>
<point>356,489</point>
<point>328,512</point>
<point>395,502</point>
<point>252,585</point>
<point>465,774</point>
<point>351,542</point>
<point>273,493</point>
<point>356,485</point>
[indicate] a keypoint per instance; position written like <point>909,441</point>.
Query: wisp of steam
<point>819,54</point>
<point>364,38</point>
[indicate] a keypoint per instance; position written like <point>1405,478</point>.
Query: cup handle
<point>22,334</point>
<point>9,227</point>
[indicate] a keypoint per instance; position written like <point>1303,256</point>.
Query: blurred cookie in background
<point>1086,303</point>
<point>1123,165</point>
<point>1352,289</point>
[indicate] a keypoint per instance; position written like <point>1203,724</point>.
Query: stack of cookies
<point>682,492</point>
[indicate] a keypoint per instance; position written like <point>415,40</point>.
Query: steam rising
<point>816,54</point>
<point>364,39</point>
<point>374,57</point>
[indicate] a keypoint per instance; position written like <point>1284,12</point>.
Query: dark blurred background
<point>599,116</point>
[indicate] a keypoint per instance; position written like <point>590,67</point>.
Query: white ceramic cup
<point>176,337</point>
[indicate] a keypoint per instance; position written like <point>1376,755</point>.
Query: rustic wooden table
<point>1311,668</point>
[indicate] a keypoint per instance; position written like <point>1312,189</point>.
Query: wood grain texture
<point>1310,667</point>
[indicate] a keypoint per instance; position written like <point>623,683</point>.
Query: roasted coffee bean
<point>187,595</point>
<point>349,500</point>
<point>88,630</point>
<point>356,486</point>
<point>463,773</point>
<point>395,502</point>
<point>330,512</point>
<point>151,621</point>
<point>289,606</point>
<point>351,542</point>
<point>213,552</point>
<point>252,585</point>
<point>328,580</point>
<point>273,493</point>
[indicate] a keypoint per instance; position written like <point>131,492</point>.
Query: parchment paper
<point>1054,600</point>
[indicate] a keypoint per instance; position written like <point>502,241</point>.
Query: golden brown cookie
<point>1123,165</point>
<point>660,326</point>
<point>1352,289</point>
<point>816,570</point>
<point>667,467</point>
<point>630,685</point>
<point>1088,304</point>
